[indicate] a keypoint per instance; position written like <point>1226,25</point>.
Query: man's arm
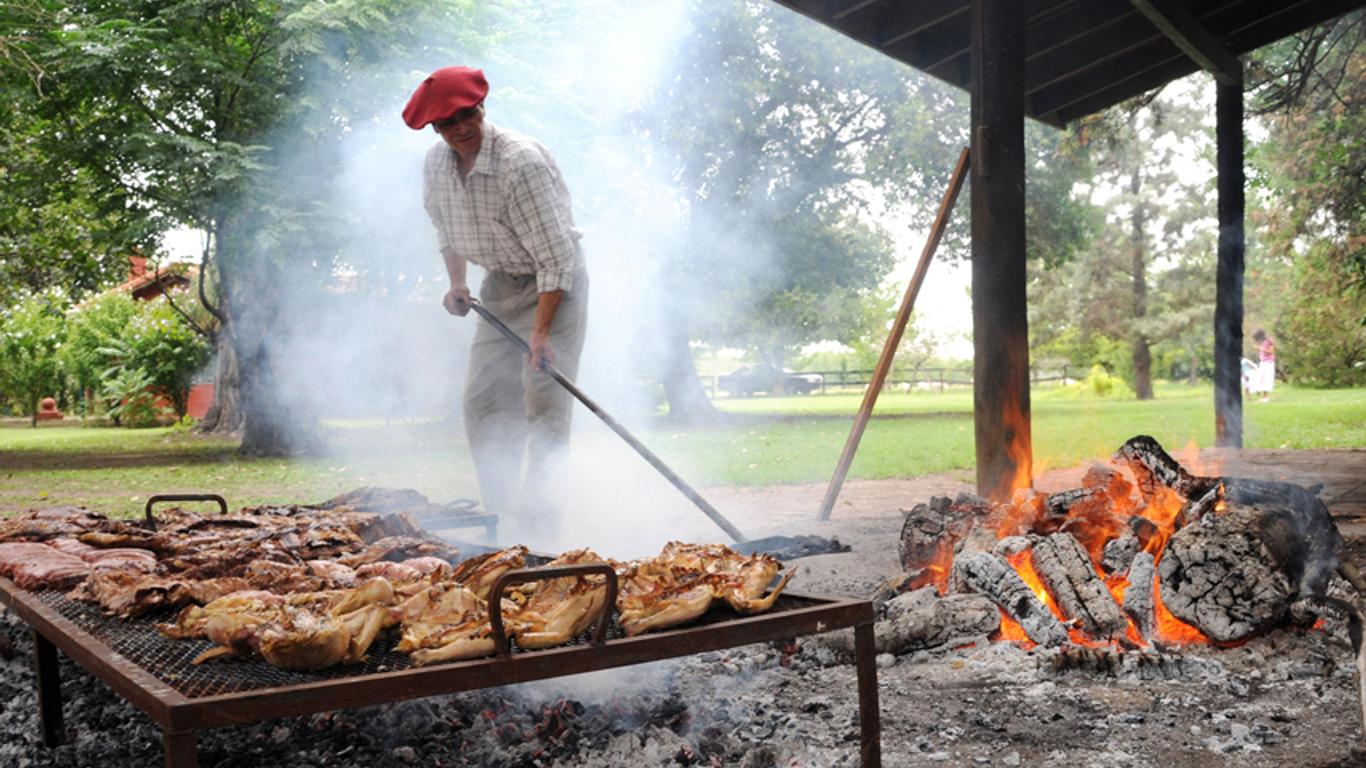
<point>456,301</point>
<point>541,353</point>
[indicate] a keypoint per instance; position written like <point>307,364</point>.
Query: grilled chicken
<point>445,622</point>
<point>560,609</point>
<point>681,583</point>
<point>305,631</point>
<point>479,573</point>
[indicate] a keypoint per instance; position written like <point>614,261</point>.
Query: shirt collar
<point>484,161</point>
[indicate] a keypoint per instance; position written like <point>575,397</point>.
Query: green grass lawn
<point>765,440</point>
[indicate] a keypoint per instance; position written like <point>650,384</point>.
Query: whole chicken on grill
<point>445,622</point>
<point>653,596</point>
<point>304,631</point>
<point>558,610</point>
<point>680,584</point>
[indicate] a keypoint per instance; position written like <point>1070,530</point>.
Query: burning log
<point>1065,569</point>
<point>932,531</point>
<point>1138,597</point>
<point>1119,553</point>
<point>990,575</point>
<point>1236,572</point>
<point>1220,576</point>
<point>1154,467</point>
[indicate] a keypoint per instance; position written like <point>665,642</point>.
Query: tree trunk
<point>688,401</point>
<point>275,422</point>
<point>272,415</point>
<point>1142,355</point>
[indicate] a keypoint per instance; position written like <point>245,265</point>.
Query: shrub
<point>31,336</point>
<point>91,330</point>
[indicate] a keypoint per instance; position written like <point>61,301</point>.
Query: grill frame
<point>181,716</point>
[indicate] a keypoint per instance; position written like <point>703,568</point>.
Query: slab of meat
<point>16,553</point>
<point>54,570</point>
<point>445,622</point>
<point>122,559</point>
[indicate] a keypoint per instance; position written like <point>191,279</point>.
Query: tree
<point>31,335</point>
<point>1155,221</point>
<point>1311,211</point>
<point>774,130</point>
<point>226,116</point>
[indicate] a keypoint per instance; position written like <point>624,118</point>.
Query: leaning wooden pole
<point>903,315</point>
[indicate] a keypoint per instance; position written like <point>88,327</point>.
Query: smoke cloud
<point>375,343</point>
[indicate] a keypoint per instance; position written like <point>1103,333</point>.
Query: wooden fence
<point>908,379</point>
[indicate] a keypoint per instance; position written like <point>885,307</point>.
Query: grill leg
<point>870,716</point>
<point>182,749</point>
<point>49,690</point>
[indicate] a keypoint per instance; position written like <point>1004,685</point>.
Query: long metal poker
<point>655,461</point>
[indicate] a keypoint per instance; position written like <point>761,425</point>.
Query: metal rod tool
<point>646,453</point>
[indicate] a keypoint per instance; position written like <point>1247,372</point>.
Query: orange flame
<point>1169,628</point>
<point>1021,448</point>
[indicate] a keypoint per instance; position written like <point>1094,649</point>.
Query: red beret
<point>445,92</point>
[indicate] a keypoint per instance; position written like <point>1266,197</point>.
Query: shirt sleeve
<point>431,201</point>
<point>543,225</point>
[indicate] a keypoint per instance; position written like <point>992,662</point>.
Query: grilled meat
<point>479,573</point>
<point>445,622</point>
<point>680,584</point>
<point>560,609</point>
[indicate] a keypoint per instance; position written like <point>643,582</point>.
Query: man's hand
<point>457,300</point>
<point>542,355</point>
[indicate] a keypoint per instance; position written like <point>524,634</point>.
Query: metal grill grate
<point>169,660</point>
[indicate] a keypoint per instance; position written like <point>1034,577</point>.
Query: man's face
<point>463,131</point>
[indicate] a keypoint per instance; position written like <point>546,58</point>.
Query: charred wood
<point>931,532</point>
<point>921,620</point>
<point>1297,528</point>
<point>1066,571</point>
<point>1144,529</point>
<point>1138,597</point>
<point>1119,553</point>
<point>1153,467</point>
<point>1220,577</point>
<point>989,575</point>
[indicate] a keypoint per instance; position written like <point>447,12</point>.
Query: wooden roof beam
<point>1183,29</point>
<point>921,17</point>
<point>838,9</point>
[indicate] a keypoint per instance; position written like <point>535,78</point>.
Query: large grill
<point>155,674</point>
<point>169,661</point>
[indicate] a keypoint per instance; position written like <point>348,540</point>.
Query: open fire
<point>1143,554</point>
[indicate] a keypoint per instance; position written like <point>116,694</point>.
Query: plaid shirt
<point>511,213</point>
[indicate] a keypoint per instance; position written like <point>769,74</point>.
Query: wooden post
<point>1000,325</point>
<point>1228,302</point>
<point>903,315</point>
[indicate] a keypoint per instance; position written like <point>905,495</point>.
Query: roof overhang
<point>1081,56</point>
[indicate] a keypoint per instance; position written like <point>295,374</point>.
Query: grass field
<point>762,441</point>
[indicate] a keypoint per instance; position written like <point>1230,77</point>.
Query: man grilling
<point>497,199</point>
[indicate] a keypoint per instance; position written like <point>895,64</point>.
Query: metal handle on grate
<point>151,519</point>
<point>500,639</point>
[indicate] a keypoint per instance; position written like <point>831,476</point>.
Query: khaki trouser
<point>513,412</point>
